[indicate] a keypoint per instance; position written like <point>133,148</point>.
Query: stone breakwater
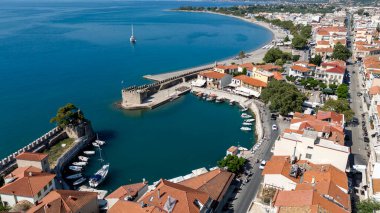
<point>37,145</point>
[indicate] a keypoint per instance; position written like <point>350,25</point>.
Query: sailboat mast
<point>132,29</point>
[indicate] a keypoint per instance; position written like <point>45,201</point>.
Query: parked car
<point>366,139</point>
<point>262,164</point>
<point>274,127</point>
<point>359,94</point>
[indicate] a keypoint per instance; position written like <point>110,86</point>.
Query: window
<point>39,194</point>
<point>45,188</point>
<point>308,156</point>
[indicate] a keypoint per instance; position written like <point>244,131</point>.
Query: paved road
<point>248,192</point>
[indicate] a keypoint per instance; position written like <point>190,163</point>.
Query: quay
<point>168,75</point>
<point>152,95</point>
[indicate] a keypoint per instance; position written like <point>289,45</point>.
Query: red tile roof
<point>300,68</point>
<point>122,206</point>
<point>31,156</point>
<point>374,90</point>
<point>278,76</point>
<point>65,201</point>
<point>127,190</point>
<point>212,74</point>
<point>250,81</point>
<point>332,116</point>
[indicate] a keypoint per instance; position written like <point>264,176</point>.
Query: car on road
<point>274,127</point>
<point>262,164</point>
<point>366,139</point>
<point>359,94</point>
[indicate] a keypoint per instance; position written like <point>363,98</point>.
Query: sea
<point>58,52</point>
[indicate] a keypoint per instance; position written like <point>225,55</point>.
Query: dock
<point>168,75</point>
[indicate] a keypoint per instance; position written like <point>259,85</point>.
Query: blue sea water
<point>55,52</point>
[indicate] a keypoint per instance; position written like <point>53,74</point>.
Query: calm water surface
<point>52,53</point>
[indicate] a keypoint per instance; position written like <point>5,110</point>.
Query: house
<point>26,183</point>
<point>331,72</point>
<point>130,192</point>
<point>233,150</point>
<point>263,72</point>
<point>247,86</point>
<point>38,160</point>
<point>301,69</point>
<point>375,182</point>
<point>67,201</point>
<point>227,69</point>
<point>246,66</point>
<point>213,80</point>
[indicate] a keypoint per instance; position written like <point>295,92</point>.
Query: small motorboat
<point>244,128</point>
<point>244,110</point>
<point>76,168</point>
<point>249,120</point>
<point>79,181</point>
<point>232,102</point>
<point>99,176</point>
<point>245,115</point>
<point>74,176</point>
<point>83,158</point>
<point>247,124</point>
<point>89,152</point>
<point>100,142</point>
<point>219,100</point>
<point>95,144</point>
<point>80,163</point>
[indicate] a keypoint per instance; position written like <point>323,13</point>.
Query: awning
<point>246,92</point>
<point>198,83</point>
<point>233,85</point>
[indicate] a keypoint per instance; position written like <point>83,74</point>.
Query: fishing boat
<point>79,163</point>
<point>247,124</point>
<point>95,144</point>
<point>100,142</point>
<point>76,168</point>
<point>249,120</point>
<point>79,181</point>
<point>132,39</point>
<point>83,158</point>
<point>245,115</point>
<point>232,102</point>
<point>74,176</point>
<point>89,152</point>
<point>100,175</point>
<point>245,128</point>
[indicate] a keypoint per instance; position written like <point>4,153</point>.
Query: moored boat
<point>245,115</point>
<point>75,168</point>
<point>79,181</point>
<point>95,144</point>
<point>232,102</point>
<point>247,124</point>
<point>74,176</point>
<point>79,163</point>
<point>99,176</point>
<point>244,110</point>
<point>219,100</point>
<point>89,152</point>
<point>83,158</point>
<point>249,120</point>
<point>245,128</point>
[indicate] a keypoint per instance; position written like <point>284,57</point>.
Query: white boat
<point>79,181</point>
<point>210,98</point>
<point>244,110</point>
<point>249,120</point>
<point>74,176</point>
<point>75,168</point>
<point>83,158</point>
<point>100,142</point>
<point>79,163</point>
<point>245,128</point>
<point>247,124</point>
<point>219,100</point>
<point>245,115</point>
<point>132,39</point>
<point>95,144</point>
<point>89,152</point>
<point>99,176</point>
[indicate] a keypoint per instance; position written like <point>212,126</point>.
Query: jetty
<point>149,96</point>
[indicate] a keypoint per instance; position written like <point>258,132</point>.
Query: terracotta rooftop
<point>31,156</point>
<point>250,81</point>
<point>29,185</point>
<point>278,76</point>
<point>215,183</point>
<point>64,201</point>
<point>374,90</point>
<point>185,197</point>
<point>330,116</point>
<point>324,50</point>
<point>300,68</point>
<point>212,74</point>
<point>127,190</point>
<point>122,206</point>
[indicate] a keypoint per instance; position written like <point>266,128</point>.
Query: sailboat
<point>100,175</point>
<point>132,39</point>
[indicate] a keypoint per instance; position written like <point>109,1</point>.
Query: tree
<point>305,31</point>
<point>322,85</point>
<point>368,206</point>
<point>241,55</point>
<point>244,71</point>
<point>272,55</point>
<point>341,52</point>
<point>296,57</point>
<point>299,42</point>
<point>68,114</point>
<point>4,208</point>
<point>317,60</point>
<point>340,106</point>
<point>233,163</point>
<point>1,181</point>
<point>283,97</point>
<point>342,91</point>
<point>286,39</point>
<point>333,86</point>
